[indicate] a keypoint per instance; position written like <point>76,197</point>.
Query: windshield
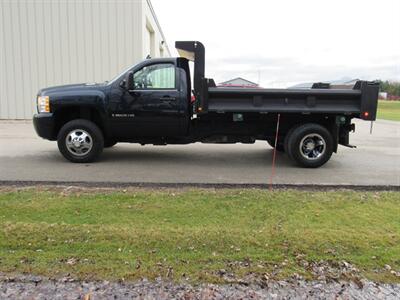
<point>119,75</point>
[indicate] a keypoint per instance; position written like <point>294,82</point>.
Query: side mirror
<point>129,81</point>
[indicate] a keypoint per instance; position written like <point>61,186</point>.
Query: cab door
<point>153,107</point>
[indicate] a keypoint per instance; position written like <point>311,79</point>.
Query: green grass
<point>143,233</point>
<point>389,110</point>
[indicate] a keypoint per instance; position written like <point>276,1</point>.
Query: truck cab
<point>152,99</point>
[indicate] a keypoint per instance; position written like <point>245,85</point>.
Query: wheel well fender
<point>66,114</point>
<point>332,128</point>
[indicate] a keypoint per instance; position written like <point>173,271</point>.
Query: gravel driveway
<point>36,287</point>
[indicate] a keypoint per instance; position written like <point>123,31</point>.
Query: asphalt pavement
<point>375,161</point>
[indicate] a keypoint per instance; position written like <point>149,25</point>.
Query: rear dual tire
<point>279,146</point>
<point>309,145</point>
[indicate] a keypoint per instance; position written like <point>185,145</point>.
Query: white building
<point>52,42</point>
<point>239,82</point>
<point>383,95</point>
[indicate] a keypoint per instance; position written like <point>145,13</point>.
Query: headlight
<point>43,104</point>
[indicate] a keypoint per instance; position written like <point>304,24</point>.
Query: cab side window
<point>157,76</point>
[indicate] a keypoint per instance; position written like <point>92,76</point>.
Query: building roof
<point>238,81</point>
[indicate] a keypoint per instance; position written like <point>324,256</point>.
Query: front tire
<point>310,145</point>
<point>80,141</point>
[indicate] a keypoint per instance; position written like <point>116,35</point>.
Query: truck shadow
<point>190,156</point>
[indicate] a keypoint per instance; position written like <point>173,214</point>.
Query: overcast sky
<point>281,43</point>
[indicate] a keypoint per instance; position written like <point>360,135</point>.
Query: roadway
<point>376,161</point>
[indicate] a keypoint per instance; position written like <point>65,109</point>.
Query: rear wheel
<point>310,145</point>
<point>80,141</point>
<point>279,145</point>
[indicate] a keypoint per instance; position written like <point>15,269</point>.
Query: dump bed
<point>360,102</point>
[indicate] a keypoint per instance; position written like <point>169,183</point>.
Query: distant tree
<point>392,88</point>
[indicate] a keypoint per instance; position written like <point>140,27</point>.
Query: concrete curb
<point>160,185</point>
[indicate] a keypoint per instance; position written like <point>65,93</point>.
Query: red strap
<point>274,153</point>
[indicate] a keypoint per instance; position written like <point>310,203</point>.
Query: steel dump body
<point>359,101</point>
<point>284,100</point>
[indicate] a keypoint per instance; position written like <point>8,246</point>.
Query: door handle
<point>167,98</point>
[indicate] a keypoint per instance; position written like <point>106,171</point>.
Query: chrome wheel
<point>312,146</point>
<point>79,142</point>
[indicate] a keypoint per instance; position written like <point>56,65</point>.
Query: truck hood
<point>72,87</point>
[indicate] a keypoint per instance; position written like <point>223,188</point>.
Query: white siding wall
<point>45,43</point>
<point>150,27</point>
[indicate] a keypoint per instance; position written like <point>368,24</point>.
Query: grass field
<point>389,110</point>
<point>194,233</point>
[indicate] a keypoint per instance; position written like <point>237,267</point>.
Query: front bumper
<point>44,125</point>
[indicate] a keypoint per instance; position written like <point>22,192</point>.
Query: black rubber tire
<point>296,135</point>
<point>109,144</point>
<point>95,133</point>
<point>286,141</point>
<point>279,145</point>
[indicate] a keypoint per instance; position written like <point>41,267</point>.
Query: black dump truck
<point>154,102</point>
